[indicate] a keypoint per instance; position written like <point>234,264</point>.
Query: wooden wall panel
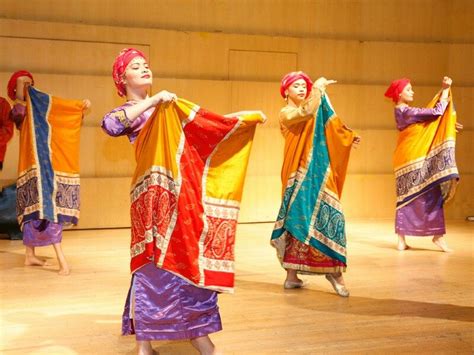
<point>266,66</point>
<point>105,203</point>
<point>461,25</point>
<point>247,95</point>
<point>215,95</point>
<point>461,57</point>
<point>57,56</point>
<point>406,20</point>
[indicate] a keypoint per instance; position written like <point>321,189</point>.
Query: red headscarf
<point>395,89</point>
<point>12,82</point>
<point>120,64</point>
<point>290,78</point>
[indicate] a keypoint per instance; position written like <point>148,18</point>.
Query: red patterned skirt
<point>306,259</point>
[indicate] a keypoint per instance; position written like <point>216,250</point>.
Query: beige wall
<point>229,56</point>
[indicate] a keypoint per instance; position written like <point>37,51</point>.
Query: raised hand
<point>447,82</point>
<point>356,141</point>
<point>322,83</point>
<point>86,104</point>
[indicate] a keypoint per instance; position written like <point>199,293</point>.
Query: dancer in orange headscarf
<point>424,162</point>
<point>309,234</point>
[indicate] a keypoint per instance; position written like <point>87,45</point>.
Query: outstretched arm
<point>305,111</point>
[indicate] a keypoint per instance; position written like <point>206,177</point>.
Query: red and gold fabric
<point>186,192</point>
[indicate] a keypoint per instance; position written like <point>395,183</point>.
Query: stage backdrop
<point>229,56</point>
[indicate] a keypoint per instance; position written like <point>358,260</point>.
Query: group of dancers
<point>309,234</point>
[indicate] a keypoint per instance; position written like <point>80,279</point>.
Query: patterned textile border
<point>153,190</point>
<point>66,197</point>
<point>328,227</point>
<point>218,234</point>
<point>323,226</point>
<point>418,176</point>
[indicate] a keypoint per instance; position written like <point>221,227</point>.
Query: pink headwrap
<point>120,64</point>
<point>11,87</point>
<point>290,78</point>
<point>395,89</point>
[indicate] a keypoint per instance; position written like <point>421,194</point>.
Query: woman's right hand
<point>447,82</point>
<point>22,84</point>
<point>163,97</point>
<point>322,83</point>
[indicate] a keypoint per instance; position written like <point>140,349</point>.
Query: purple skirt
<point>163,306</point>
<point>424,216</point>
<point>41,232</point>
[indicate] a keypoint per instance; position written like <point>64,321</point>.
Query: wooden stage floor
<point>416,301</point>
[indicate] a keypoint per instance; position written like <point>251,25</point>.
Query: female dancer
<point>160,305</point>
<point>39,229</point>
<point>420,200</point>
<point>309,234</point>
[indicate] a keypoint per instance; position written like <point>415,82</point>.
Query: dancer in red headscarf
<point>39,228</point>
<point>160,305</point>
<point>424,162</point>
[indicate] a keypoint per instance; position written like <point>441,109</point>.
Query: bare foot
<point>32,260</point>
<point>144,348</point>
<point>64,271</point>
<point>204,345</point>
<point>440,242</point>
<point>402,244</point>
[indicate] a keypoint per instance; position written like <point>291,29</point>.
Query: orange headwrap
<point>120,64</point>
<point>395,89</point>
<point>11,87</point>
<point>290,78</point>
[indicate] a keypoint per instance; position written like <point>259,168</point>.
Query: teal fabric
<point>302,200</point>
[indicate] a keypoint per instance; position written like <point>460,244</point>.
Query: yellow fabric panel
<point>339,140</point>
<point>27,157</point>
<point>163,126</point>
<point>65,119</point>
<point>298,144</point>
<point>228,166</point>
<point>418,139</point>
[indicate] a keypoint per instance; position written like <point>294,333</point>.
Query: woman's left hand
<point>356,142</point>
<point>165,96</point>
<point>86,104</point>
<point>459,127</point>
